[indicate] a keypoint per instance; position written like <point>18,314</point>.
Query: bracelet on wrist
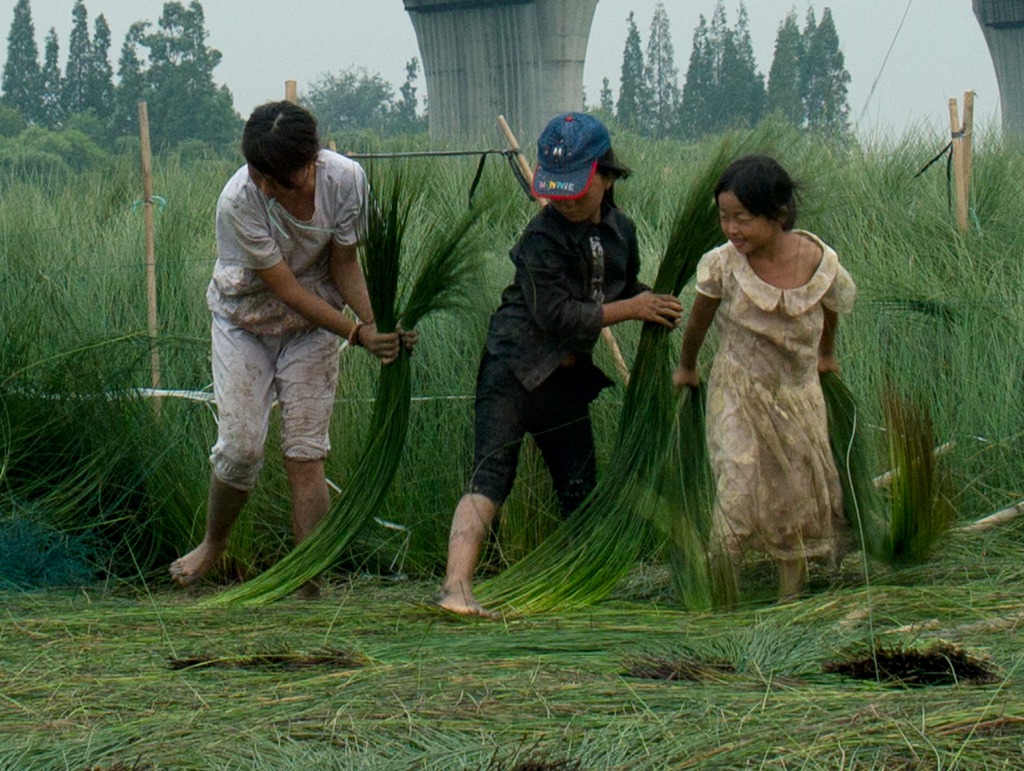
<point>353,336</point>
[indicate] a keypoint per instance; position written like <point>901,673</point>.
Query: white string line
<point>206,396</point>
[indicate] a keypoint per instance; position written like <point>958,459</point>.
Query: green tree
<point>698,90</point>
<point>826,79</point>
<point>12,122</point>
<point>661,79</point>
<point>723,87</point>
<point>99,81</point>
<point>131,83</point>
<point>807,73</point>
<point>785,95</point>
<point>351,100</point>
<point>632,90</point>
<point>718,36</point>
<point>183,101</point>
<point>741,96</point>
<point>51,83</point>
<point>404,116</point>
<point>74,94</point>
<point>607,102</point>
<point>21,69</point>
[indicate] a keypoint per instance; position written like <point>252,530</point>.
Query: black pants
<point>556,413</point>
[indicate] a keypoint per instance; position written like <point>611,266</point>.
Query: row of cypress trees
<point>806,85</point>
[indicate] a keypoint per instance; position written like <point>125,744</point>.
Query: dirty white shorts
<point>250,371</point>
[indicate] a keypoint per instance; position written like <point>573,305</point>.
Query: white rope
<point>207,396</point>
<point>162,393</point>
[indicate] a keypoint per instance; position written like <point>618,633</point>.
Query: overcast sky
<point>901,77</point>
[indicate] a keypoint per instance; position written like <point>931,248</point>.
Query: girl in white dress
<point>775,294</point>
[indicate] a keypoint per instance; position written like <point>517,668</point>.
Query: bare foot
<point>309,591</point>
<point>186,570</point>
<point>464,604</point>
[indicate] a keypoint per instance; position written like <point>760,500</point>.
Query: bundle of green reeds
<point>687,488</point>
<point>919,508</point>
<point>584,560</point>
<point>83,455</point>
<point>902,526</point>
<point>445,260</point>
<point>847,430</point>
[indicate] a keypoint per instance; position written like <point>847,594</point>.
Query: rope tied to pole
<point>946,151</point>
<point>160,201</point>
<point>510,156</point>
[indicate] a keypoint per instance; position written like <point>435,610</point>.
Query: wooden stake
<point>883,480</point>
<point>1006,515</point>
<point>968,141</point>
<point>147,210</point>
<point>959,164</point>
<point>524,167</point>
<point>513,145</point>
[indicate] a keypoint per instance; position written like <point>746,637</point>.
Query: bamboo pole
<point>147,210</point>
<point>968,148</point>
<point>998,518</point>
<point>524,167</point>
<point>883,480</point>
<point>959,166</point>
<point>513,145</point>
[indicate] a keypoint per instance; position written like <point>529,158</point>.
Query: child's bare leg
<point>310,502</point>
<point>470,525</point>
<point>223,505</point>
<point>792,577</point>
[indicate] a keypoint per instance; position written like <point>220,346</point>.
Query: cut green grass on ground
<point>371,676</point>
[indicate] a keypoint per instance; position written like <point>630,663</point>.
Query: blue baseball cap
<point>567,153</point>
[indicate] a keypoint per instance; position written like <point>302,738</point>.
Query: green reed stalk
<point>847,435</point>
<point>919,512</point>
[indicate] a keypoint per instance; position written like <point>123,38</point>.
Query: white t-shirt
<point>255,232</point>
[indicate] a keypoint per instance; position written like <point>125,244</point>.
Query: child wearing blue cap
<point>576,272</point>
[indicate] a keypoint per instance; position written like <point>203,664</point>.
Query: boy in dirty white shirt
<point>288,225</point>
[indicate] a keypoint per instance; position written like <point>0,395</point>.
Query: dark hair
<point>608,165</point>
<point>763,187</point>
<point>279,139</point>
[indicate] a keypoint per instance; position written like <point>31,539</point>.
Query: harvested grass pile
<point>537,761</point>
<point>332,658</point>
<point>541,765</point>
<point>940,664</point>
<point>653,666</point>
<point>135,765</point>
<point>88,684</point>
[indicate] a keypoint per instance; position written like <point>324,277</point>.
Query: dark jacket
<point>552,308</point>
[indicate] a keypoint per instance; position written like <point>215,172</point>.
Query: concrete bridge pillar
<point>482,58</point>
<point>1002,22</point>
